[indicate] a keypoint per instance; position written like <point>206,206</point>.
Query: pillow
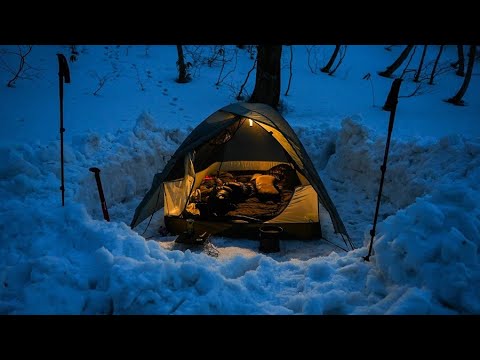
<point>254,176</point>
<point>265,185</point>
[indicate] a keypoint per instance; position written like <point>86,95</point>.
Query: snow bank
<point>128,160</point>
<point>63,260</point>
<point>414,169</point>
<point>434,245</point>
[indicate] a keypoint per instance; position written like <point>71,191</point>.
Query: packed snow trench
<point>68,260</point>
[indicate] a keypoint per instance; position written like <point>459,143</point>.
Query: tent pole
<point>390,105</point>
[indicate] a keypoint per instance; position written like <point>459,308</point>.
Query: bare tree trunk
<point>397,63</point>
<point>291,70</point>
<point>461,61</point>
<point>457,99</point>
<point>182,68</point>
<point>432,75</point>
<point>419,70</point>
<point>342,56</point>
<point>267,81</point>
<point>327,67</point>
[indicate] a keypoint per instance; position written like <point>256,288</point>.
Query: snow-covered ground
<point>68,260</point>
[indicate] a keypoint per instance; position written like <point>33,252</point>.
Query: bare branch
<point>239,96</point>
<point>435,64</point>
<point>420,65</point>
<point>204,55</point>
<point>291,71</point>
<point>415,91</point>
<point>313,67</point>
<point>368,77</point>
<point>221,79</point>
<point>216,53</point>
<point>102,80</point>
<point>23,69</point>
<point>408,63</point>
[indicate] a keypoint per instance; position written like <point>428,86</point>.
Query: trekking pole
<point>63,75</point>
<point>390,105</point>
<point>103,203</point>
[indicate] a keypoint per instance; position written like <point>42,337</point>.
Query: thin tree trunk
<point>327,67</point>
<point>397,63</point>
<point>267,81</point>
<point>461,61</point>
<point>408,63</point>
<point>291,70</point>
<point>457,99</point>
<point>342,56</point>
<point>432,75</point>
<point>419,70</point>
<point>182,68</point>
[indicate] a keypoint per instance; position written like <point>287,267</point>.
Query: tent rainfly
<point>240,138</point>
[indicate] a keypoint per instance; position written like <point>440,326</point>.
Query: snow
<point>56,260</point>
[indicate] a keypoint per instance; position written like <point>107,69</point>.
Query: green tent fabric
<point>212,127</point>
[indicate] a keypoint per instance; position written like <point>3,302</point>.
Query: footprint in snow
<point>172,103</point>
<point>175,99</point>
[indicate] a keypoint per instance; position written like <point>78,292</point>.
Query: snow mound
<point>434,244</point>
<point>417,167</point>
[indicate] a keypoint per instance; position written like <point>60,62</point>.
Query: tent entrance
<point>229,162</point>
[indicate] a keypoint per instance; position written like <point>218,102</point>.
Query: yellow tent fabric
<point>204,141</point>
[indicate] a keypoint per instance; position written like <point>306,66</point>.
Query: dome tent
<point>258,138</point>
